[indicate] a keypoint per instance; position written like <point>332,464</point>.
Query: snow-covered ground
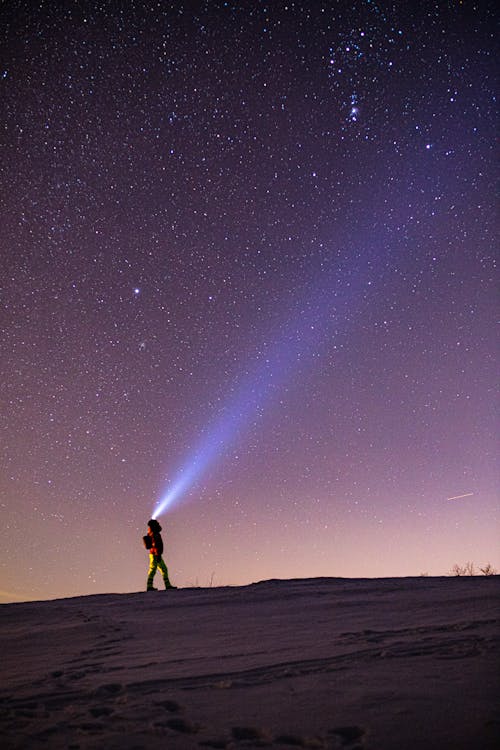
<point>318,663</point>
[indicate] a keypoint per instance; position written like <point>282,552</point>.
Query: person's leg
<point>153,564</point>
<point>164,570</point>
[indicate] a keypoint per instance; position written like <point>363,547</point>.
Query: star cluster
<point>193,189</point>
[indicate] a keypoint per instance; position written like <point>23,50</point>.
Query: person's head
<point>154,526</point>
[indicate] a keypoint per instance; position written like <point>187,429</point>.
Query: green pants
<point>154,563</point>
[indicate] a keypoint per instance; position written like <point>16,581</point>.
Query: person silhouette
<point>154,544</point>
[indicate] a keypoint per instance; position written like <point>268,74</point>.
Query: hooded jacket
<point>154,529</point>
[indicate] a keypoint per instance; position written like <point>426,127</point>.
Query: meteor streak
<point>458,497</point>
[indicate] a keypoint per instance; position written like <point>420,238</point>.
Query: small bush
<point>469,570</point>
<point>488,570</point>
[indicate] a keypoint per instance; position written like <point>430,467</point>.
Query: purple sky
<point>252,245</point>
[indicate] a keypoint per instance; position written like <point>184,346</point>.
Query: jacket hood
<point>154,525</point>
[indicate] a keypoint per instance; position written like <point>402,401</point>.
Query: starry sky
<point>247,250</point>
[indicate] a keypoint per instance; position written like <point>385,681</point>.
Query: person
<point>154,543</point>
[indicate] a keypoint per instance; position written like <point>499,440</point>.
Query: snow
<point>317,663</point>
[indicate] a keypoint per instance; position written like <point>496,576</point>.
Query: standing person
<point>154,543</point>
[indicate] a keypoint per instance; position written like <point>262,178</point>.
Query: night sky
<point>247,251</point>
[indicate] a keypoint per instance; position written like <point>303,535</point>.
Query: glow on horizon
<point>299,337</point>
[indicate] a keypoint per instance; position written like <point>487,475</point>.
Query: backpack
<point>148,542</point>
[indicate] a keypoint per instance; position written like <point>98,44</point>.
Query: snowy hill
<point>318,663</point>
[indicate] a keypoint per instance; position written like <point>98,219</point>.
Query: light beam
<point>299,337</point>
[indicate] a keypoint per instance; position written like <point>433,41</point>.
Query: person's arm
<point>159,544</point>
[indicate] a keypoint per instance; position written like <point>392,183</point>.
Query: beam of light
<point>459,497</point>
<point>328,306</point>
